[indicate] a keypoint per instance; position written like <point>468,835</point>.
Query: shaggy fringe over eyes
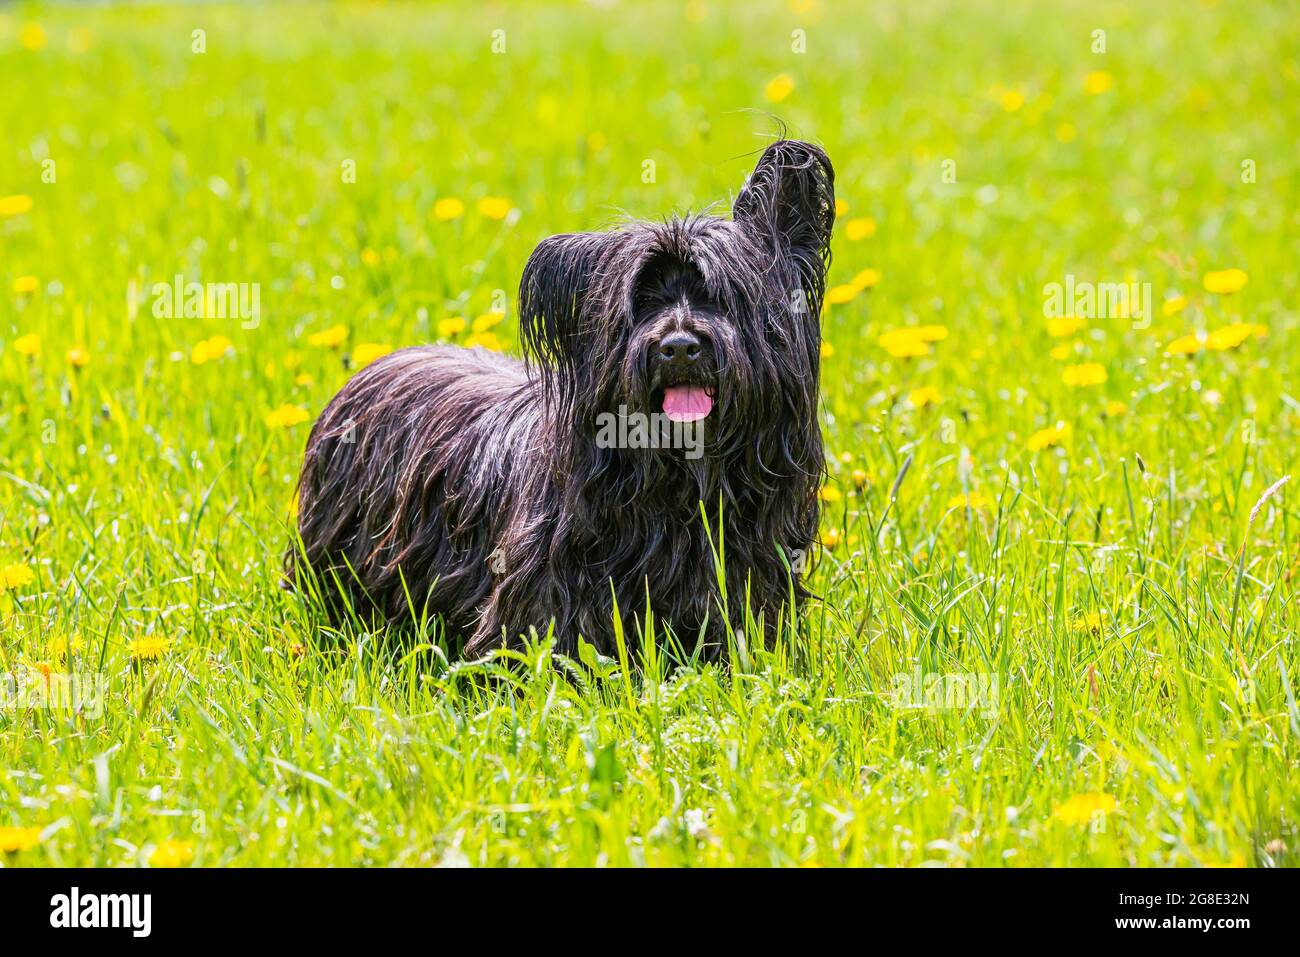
<point>467,484</point>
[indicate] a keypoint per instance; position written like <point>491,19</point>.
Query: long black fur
<point>468,484</point>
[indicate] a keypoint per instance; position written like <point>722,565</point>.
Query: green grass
<point>149,497</point>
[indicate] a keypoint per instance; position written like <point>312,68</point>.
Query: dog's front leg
<point>531,599</point>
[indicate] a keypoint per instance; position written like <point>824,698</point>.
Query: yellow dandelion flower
<point>15,576</point>
<point>370,257</point>
<point>831,538</point>
<point>330,338</point>
<point>1081,808</point>
<point>78,358</point>
<point>1049,437</point>
<point>453,326</point>
<point>975,500</point>
<point>1115,408</point>
<point>1090,623</point>
<point>841,207</point>
<point>148,647</point>
<point>26,285</point>
<point>1224,282</point>
<point>909,348</point>
<point>15,205</point>
<point>448,208</point>
<point>367,352</point>
<point>1173,305</point>
<point>930,333</point>
<point>1084,374</point>
<point>303,379</point>
<point>56,649</point>
<point>860,478</point>
<point>866,279</point>
<point>1060,353</point>
<point>778,88</point>
<point>484,340</point>
<point>1097,82</point>
<point>830,494</point>
<point>1063,327</point>
<point>1229,337</point>
<point>172,853</point>
<point>14,840</point>
<point>285,416</point>
<point>494,207</point>
<point>827,350</point>
<point>926,395</point>
<point>1011,100</point>
<point>838,295</point>
<point>32,36</point>
<point>904,343</point>
<point>486,321</point>
<point>1187,345</point>
<point>1066,133</point>
<point>211,350</point>
<point>28,345</point>
<point>861,228</point>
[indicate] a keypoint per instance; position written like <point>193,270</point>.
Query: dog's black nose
<point>679,348</point>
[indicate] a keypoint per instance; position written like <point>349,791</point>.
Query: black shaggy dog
<point>471,485</point>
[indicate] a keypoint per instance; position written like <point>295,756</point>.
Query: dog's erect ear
<point>789,201</point>
<point>791,196</point>
<point>555,294</point>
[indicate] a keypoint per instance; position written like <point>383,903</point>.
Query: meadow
<point>1058,577</point>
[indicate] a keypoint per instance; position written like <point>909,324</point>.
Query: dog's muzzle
<point>680,370</point>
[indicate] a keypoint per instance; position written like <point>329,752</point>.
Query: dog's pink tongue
<point>687,403</point>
